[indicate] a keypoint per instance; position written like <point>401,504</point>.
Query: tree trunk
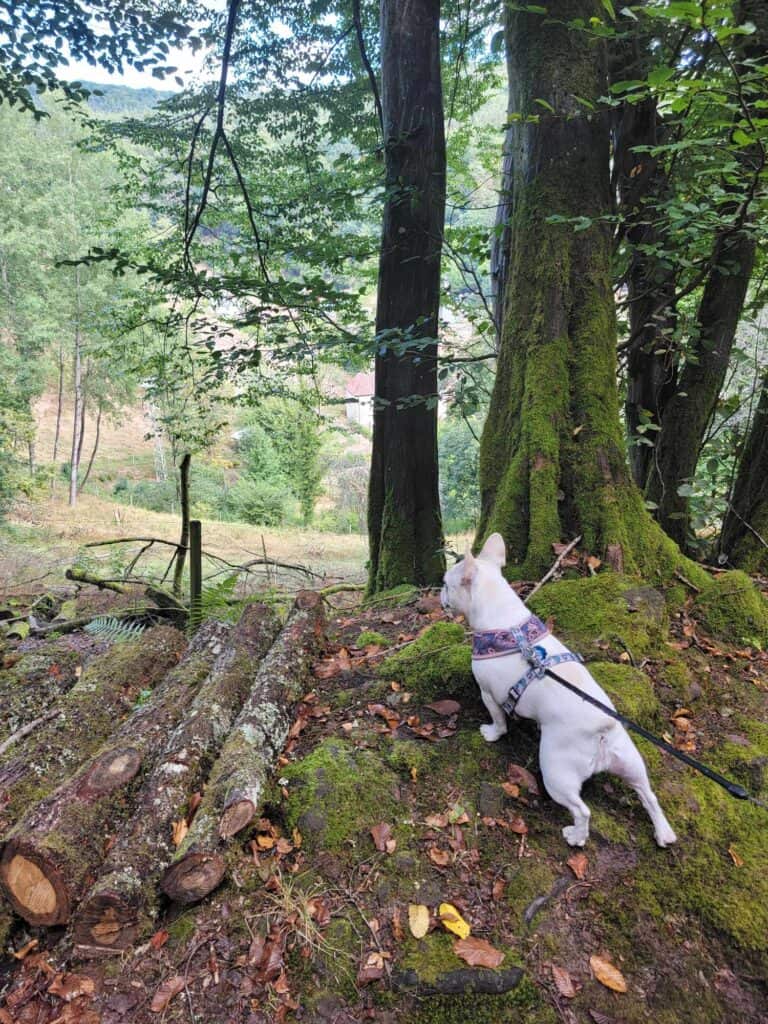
<point>59,404</point>
<point>95,446</point>
<point>74,463</point>
<point>236,786</point>
<point>181,554</point>
<point>83,410</point>
<point>404,523</point>
<point>690,410</point>
<point>552,458</point>
<point>60,841</point>
<point>105,693</point>
<point>744,537</point>
<point>122,905</point>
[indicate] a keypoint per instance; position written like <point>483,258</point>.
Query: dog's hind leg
<point>564,776</point>
<point>498,726</point>
<point>626,761</point>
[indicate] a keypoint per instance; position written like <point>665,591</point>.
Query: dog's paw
<point>665,837</point>
<point>491,732</point>
<point>575,836</point>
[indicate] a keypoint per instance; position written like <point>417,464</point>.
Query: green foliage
<point>459,487</point>
<point>262,503</point>
<point>116,631</point>
<point>435,664</point>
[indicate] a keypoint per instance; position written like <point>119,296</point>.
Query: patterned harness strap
<point>496,643</point>
<point>539,661</point>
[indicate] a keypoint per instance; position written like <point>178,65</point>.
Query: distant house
<point>358,399</point>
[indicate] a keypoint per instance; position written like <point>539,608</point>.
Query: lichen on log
<point>60,841</point>
<point>122,904</point>
<point>88,714</point>
<point>236,785</point>
<point>31,685</point>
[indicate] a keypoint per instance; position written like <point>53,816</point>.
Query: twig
<point>554,568</point>
<point>687,582</point>
<point>356,17</point>
<point>25,730</point>
<point>131,540</point>
<point>341,588</point>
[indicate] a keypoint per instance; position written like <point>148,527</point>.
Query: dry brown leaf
<point>511,788</point>
<point>578,864</point>
<point>159,939</point>
<point>564,982</point>
<point>383,839</point>
<point>440,857</point>
<point>26,949</point>
<point>607,974</point>
<point>71,986</point>
<point>165,993</point>
<point>478,952</point>
<point>372,968</point>
<point>397,925</point>
<point>518,826</point>
<point>179,829</point>
<point>436,820</point>
<point>522,777</point>
<point>444,707</point>
<point>418,919</point>
<point>737,860</point>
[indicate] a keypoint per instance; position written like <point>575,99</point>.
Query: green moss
<point>607,609</point>
<point>733,609</point>
<point>525,881</point>
<point>402,594</point>
<point>630,690</point>
<point>370,636</point>
<point>678,677</point>
<point>407,756</point>
<point>336,793</point>
<point>438,662</point>
<point>608,826</point>
<point>523,1003</point>
<point>182,929</point>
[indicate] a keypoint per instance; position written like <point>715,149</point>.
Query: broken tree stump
<point>122,904</point>
<point>236,784</point>
<point>87,714</point>
<point>60,841</point>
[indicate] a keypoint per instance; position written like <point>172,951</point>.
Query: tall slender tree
<point>404,523</point>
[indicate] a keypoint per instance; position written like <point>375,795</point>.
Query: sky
<point>189,65</point>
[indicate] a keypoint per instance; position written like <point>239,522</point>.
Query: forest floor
<point>388,799</point>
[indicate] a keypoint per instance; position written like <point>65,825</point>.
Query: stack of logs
<point>90,797</point>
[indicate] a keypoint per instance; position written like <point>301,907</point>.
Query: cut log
<point>236,785</point>
<point>35,681</point>
<point>122,905</point>
<point>59,843</point>
<point>88,713</point>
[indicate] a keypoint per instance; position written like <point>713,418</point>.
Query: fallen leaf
<point>516,773</point>
<point>372,969</point>
<point>737,860</point>
<point>397,925</point>
<point>418,919</point>
<point>159,939</point>
<point>71,986</point>
<point>436,820</point>
<point>444,707</point>
<point>578,865</point>
<point>383,839</point>
<point>193,803</point>
<point>607,974</point>
<point>440,857</point>
<point>478,952</point>
<point>451,919</point>
<point>165,993</point>
<point>511,788</point>
<point>179,829</point>
<point>498,888</point>
<point>564,982</point>
<point>26,949</point>
<point>624,658</point>
<point>518,826</point>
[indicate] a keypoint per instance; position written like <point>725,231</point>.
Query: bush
<point>459,488</point>
<point>258,502</point>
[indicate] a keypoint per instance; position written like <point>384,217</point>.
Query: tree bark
<point>59,403</point>
<point>744,537</point>
<point>404,525</point>
<point>237,782</point>
<point>88,713</point>
<point>552,457</point>
<point>59,842</point>
<point>35,682</point>
<point>95,446</point>
<point>122,905</point>
<point>74,463</point>
<point>181,554</point>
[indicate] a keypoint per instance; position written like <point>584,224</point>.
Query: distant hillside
<point>122,99</point>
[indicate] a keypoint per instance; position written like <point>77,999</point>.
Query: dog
<point>577,739</point>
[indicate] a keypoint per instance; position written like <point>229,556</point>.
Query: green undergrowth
<point>732,608</point>
<point>630,689</point>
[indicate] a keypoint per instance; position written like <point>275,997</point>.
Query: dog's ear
<point>468,569</point>
<point>494,550</point>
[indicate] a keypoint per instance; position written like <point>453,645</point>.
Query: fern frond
<point>117,631</point>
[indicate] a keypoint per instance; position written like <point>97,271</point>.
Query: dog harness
<point>520,640</point>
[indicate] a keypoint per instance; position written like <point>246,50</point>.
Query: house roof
<point>362,385</point>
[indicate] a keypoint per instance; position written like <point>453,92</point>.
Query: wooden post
<point>195,570</point>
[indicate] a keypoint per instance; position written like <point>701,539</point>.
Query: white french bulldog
<point>577,740</point>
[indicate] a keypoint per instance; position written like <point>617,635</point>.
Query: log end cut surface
<point>193,877</point>
<point>34,886</point>
<point>105,923</point>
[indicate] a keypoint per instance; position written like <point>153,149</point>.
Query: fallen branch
<point>25,730</point>
<point>555,566</point>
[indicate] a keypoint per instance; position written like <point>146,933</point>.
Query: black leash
<point>733,788</point>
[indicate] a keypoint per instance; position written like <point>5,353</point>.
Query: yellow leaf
<point>453,921</point>
<point>180,829</point>
<point>737,860</point>
<point>607,974</point>
<point>418,919</point>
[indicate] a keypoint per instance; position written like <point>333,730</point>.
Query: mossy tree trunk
<point>404,523</point>
<point>552,457</point>
<point>744,537</point>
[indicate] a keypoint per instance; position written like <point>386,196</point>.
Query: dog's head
<point>465,579</point>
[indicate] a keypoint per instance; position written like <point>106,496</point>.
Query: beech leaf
<point>564,982</point>
<point>607,974</point>
<point>522,777</point>
<point>418,919</point>
<point>444,707</point>
<point>451,919</point>
<point>165,993</point>
<point>578,864</point>
<point>478,952</point>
